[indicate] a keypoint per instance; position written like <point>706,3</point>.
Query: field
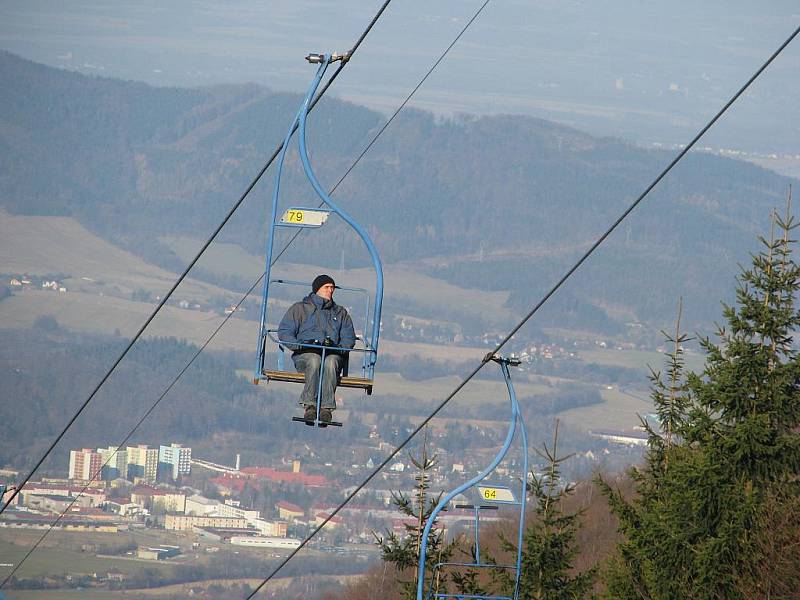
<point>60,552</point>
<point>71,311</point>
<point>60,245</point>
<point>618,411</point>
<point>637,359</point>
<point>103,314</point>
<point>71,595</point>
<point>167,591</point>
<point>404,284</point>
<point>477,391</point>
<point>103,276</point>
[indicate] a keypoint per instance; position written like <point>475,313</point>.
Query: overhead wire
<point>192,263</point>
<point>505,340</point>
<point>286,246</point>
<point>530,314</point>
<point>98,472</point>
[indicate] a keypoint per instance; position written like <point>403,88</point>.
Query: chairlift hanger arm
<point>323,195</point>
<point>260,350</point>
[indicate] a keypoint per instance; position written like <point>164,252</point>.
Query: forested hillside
<point>47,371</point>
<point>493,202</point>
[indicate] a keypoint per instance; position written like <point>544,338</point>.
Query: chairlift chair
<point>314,218</point>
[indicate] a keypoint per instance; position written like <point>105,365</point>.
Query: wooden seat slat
<point>293,377</point>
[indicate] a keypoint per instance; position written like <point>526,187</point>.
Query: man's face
<point>326,291</point>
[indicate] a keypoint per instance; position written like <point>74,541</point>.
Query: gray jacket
<point>315,318</point>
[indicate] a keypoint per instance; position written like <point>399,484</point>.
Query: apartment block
<point>115,462</point>
<point>186,522</point>
<point>288,511</point>
<point>142,463</point>
<point>84,464</point>
<point>175,459</point>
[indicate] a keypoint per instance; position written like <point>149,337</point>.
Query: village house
<point>288,511</point>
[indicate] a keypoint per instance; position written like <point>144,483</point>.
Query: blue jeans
<point>309,363</point>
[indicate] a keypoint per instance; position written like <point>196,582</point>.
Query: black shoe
<point>325,415</point>
<point>310,415</point>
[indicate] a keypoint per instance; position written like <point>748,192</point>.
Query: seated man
<point>317,319</point>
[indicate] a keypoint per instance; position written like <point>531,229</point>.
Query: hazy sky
<point>649,71</point>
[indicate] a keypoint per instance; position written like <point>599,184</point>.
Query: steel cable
<point>530,314</point>
<point>252,287</point>
<point>183,275</point>
<point>468,378</point>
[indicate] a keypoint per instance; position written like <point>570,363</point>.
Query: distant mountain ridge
<point>135,163</point>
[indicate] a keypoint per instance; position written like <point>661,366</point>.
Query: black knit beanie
<point>321,280</point>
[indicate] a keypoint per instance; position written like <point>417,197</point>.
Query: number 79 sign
<point>304,217</point>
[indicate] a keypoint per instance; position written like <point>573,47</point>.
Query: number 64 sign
<point>498,494</point>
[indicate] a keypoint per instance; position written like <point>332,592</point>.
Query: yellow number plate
<point>493,494</point>
<point>304,217</point>
<point>294,216</point>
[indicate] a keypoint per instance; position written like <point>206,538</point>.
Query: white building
<point>186,522</point>
<point>622,437</point>
<point>265,542</point>
<point>231,508</point>
<point>275,529</point>
<point>200,506</point>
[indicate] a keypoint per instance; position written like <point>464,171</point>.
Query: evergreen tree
<point>729,439</point>
<point>548,544</point>
<point>403,551</point>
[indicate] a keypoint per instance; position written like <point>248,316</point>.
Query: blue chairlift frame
<point>372,327</point>
<point>516,420</point>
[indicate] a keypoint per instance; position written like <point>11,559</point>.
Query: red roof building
<point>335,520</point>
<point>233,484</point>
<point>284,476</point>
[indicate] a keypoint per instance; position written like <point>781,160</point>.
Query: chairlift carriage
<point>315,218</point>
<point>486,495</point>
